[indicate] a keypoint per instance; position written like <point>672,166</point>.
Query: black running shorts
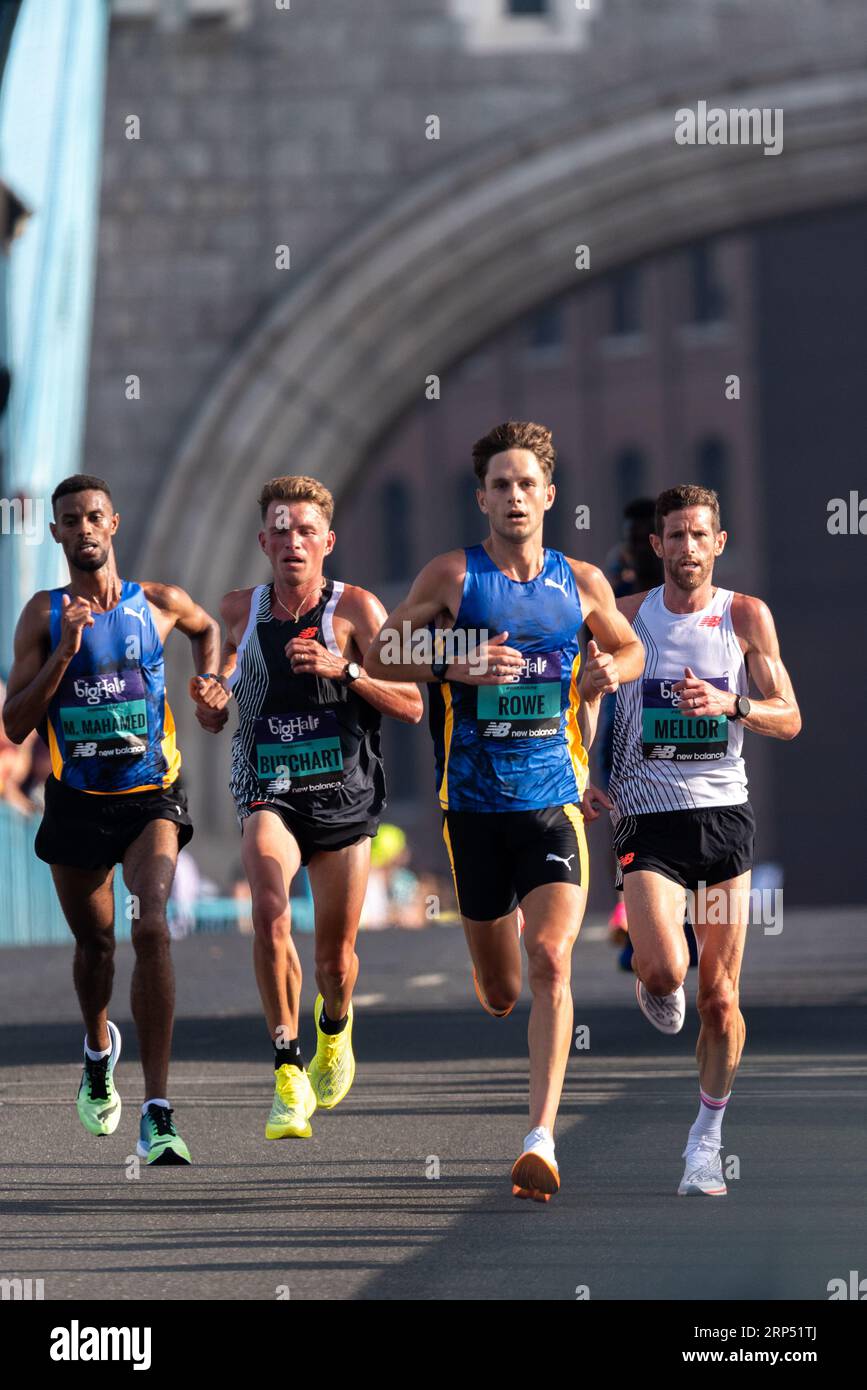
<point>497,857</point>
<point>83,830</point>
<point>312,836</point>
<point>705,846</point>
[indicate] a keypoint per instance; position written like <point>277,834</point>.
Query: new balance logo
<point>713,621</point>
<point>664,750</point>
<point>561,860</point>
<point>552,584</point>
<point>84,750</point>
<point>134,613</point>
<point>495,730</point>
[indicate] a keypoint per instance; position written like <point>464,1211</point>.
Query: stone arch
<point>445,266</point>
<point>457,257</point>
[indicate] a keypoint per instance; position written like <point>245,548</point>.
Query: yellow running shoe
<point>332,1070</point>
<point>294,1103</point>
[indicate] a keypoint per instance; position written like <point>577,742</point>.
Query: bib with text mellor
<point>298,752</point>
<point>668,735</point>
<point>526,708</point>
<point>106,716</point>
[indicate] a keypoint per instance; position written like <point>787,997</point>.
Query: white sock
<point>95,1056</point>
<point>707,1127</point>
<point>158,1101</point>
<point>539,1135</point>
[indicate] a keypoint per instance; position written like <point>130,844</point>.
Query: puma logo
<point>134,613</point>
<point>561,860</point>
<point>552,584</point>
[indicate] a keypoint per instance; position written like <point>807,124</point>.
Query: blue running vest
<point>514,747</point>
<point>109,727</point>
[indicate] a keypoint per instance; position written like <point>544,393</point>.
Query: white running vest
<point>664,761</point>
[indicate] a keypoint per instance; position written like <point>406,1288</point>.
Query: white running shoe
<point>535,1174</point>
<point>703,1173</point>
<point>665,1011</point>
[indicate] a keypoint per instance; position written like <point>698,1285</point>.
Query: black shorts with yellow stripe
<point>498,857</point>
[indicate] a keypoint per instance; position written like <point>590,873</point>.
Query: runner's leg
<point>148,870</point>
<point>553,913</point>
<point>495,950</point>
<point>87,899</point>
<point>338,879</point>
<point>722,917</point>
<point>654,910</point>
<point>271,859</point>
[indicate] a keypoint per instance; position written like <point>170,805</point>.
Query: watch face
<point>353,671</point>
<point>743,706</point>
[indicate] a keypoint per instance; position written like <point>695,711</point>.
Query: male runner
<point>307,780</point>
<point>510,760</point>
<point>88,674</point>
<point>681,815</point>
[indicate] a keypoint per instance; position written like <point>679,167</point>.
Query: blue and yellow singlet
<point>514,747</point>
<point>109,727</point>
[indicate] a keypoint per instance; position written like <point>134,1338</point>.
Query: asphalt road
<point>356,1212</point>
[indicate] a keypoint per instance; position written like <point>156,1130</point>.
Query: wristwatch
<point>742,708</point>
<point>351,672</point>
<point>214,676</point>
<point>438,669</point>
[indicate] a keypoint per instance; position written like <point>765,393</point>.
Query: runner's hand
<point>77,615</point>
<point>307,657</point>
<point>208,694</point>
<point>211,720</point>
<point>594,803</point>
<point>491,663</point>
<point>698,698</point>
<point>600,673</point>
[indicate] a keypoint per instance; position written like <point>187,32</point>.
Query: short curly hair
<point>515,434</point>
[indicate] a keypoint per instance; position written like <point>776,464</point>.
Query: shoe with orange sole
<point>535,1174</point>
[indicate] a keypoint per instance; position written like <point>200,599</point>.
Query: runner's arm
<point>776,714</point>
<point>400,700</point>
<point>614,653</point>
<point>426,602</point>
<point>190,619</point>
<point>33,679</point>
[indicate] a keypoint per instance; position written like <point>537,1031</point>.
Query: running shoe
<point>665,1011</point>
<point>535,1174</point>
<point>332,1070</point>
<point>98,1102</point>
<point>293,1104</point>
<point>159,1141</point>
<point>703,1172</point>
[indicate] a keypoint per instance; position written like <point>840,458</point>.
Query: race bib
<point>298,752</point>
<point>526,708</point>
<point>671,736</point>
<point>106,716</point>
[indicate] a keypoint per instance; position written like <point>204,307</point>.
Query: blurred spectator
<point>15,762</point>
<point>394,892</point>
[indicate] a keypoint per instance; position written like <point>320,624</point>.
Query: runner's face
<point>84,524</point>
<point>296,540</point>
<point>689,547</point>
<point>516,495</point>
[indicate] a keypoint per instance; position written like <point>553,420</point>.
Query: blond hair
<point>297,488</point>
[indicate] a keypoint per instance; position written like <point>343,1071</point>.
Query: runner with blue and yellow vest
<point>510,733</point>
<point>88,675</point>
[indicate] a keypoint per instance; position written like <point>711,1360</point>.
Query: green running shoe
<point>98,1102</point>
<point>160,1141</point>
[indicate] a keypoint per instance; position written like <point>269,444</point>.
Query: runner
<point>307,780</point>
<point>510,763</point>
<point>681,814</point>
<point>88,674</point>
